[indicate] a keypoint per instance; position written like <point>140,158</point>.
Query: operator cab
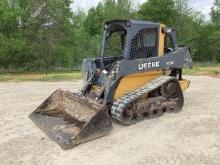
<point>123,40</point>
<point>115,36</point>
<point>128,39</point>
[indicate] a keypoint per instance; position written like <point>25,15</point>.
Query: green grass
<point>204,69</point>
<point>51,76</point>
<point>207,69</point>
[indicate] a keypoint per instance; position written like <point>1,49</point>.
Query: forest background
<point>47,35</point>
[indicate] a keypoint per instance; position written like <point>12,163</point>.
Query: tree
<point>215,13</point>
<point>94,21</point>
<point>47,34</point>
<point>105,11</point>
<point>213,46</point>
<point>213,38</point>
<point>162,11</point>
<point>32,32</point>
<point>49,26</point>
<point>12,44</point>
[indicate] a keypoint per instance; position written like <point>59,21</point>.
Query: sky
<point>204,6</point>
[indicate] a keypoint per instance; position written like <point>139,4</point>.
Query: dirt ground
<point>189,137</point>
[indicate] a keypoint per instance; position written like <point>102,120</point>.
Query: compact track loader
<point>137,76</point>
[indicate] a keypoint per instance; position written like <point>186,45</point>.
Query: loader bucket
<point>69,119</point>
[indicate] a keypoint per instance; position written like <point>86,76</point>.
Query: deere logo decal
<point>149,65</point>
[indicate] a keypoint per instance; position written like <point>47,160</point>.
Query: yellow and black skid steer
<point>137,76</point>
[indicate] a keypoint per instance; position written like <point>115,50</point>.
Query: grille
<point>114,44</point>
<point>144,44</point>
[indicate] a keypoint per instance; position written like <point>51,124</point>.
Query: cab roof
<point>132,22</point>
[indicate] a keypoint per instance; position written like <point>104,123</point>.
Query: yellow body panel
<point>161,41</point>
<point>132,82</point>
<point>184,84</point>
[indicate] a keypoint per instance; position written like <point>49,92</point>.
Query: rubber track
<point>120,105</point>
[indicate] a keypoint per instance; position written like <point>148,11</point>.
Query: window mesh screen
<point>144,44</point>
<point>114,44</point>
